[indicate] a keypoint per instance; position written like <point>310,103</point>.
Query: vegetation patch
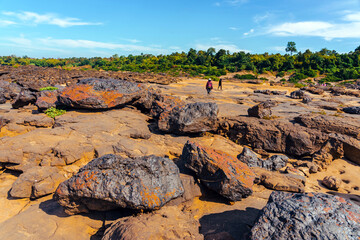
<point>53,112</point>
<point>245,76</point>
<point>48,88</point>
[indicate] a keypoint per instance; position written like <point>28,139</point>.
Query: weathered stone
<point>47,99</point>
<point>38,120</point>
<point>9,90</point>
<point>350,145</point>
<point>307,216</point>
<point>191,190</point>
<point>298,94</point>
<point>306,99</point>
<point>100,93</point>
<point>191,118</point>
<point>3,121</point>
<point>273,163</point>
<point>331,182</point>
<point>352,110</point>
<point>329,124</point>
<point>314,90</point>
<point>270,92</point>
<point>37,182</point>
<point>280,182</point>
<point>273,135</point>
<point>219,171</point>
<point>25,97</point>
<point>111,182</point>
<point>167,223</point>
<point>262,109</point>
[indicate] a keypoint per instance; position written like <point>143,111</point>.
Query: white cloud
<point>234,28</point>
<point>249,32</point>
<point>6,23</point>
<point>230,47</point>
<point>49,18</point>
<point>260,18</point>
<point>352,17</point>
<point>236,2</point>
<point>317,29</point>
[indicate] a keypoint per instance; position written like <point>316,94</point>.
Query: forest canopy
<point>329,64</point>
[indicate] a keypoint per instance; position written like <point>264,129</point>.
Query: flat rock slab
<point>219,171</point>
<point>167,223</point>
<point>307,216</point>
<point>190,118</point>
<point>111,182</point>
<point>96,93</point>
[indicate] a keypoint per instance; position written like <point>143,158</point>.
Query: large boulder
<point>331,182</point>
<point>167,223</point>
<point>112,182</point>
<point>307,216</point>
<point>190,118</point>
<point>9,90</point>
<point>96,93</point>
<point>273,135</point>
<point>351,146</point>
<point>273,163</point>
<point>329,124</point>
<point>298,94</point>
<point>25,97</point>
<point>219,171</point>
<point>37,182</point>
<point>352,110</point>
<point>262,110</point>
<point>47,99</point>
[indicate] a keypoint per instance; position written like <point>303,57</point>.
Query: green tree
<point>291,47</point>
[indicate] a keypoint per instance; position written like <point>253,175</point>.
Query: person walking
<point>220,84</point>
<point>209,86</point>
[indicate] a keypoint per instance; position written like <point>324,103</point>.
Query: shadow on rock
<point>236,223</point>
<point>352,197</point>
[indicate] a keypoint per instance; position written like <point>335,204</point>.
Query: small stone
<point>331,182</point>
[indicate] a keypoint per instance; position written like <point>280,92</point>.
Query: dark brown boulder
<point>219,171</point>
<point>100,93</point>
<point>307,216</point>
<point>191,118</point>
<point>351,146</point>
<point>112,182</point>
<point>273,135</point>
<point>262,110</point>
<point>331,182</point>
<point>352,110</point>
<point>306,99</point>
<point>298,94</point>
<point>25,97</point>
<point>313,90</point>
<point>9,90</point>
<point>330,124</point>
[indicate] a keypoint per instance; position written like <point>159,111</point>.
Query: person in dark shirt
<point>220,84</point>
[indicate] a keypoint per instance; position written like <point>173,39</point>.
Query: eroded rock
<point>111,182</point>
<point>25,97</point>
<point>219,171</point>
<point>307,216</point>
<point>262,109</point>
<point>331,182</point>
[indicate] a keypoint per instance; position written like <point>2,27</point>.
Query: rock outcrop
<point>298,94</point>
<point>37,182</point>
<point>190,118</point>
<point>219,171</point>
<point>352,110</point>
<point>167,223</point>
<point>262,110</point>
<point>47,99</point>
<point>273,135</point>
<point>25,97</point>
<point>112,182</point>
<point>273,163</point>
<point>100,93</point>
<point>307,216</point>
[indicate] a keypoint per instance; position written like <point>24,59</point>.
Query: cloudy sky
<point>90,28</point>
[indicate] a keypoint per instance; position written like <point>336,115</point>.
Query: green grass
<point>53,112</point>
<point>48,88</point>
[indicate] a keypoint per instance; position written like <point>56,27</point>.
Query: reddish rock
<point>219,171</point>
<point>100,93</point>
<point>262,110</point>
<point>47,99</point>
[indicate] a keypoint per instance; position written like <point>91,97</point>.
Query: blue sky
<point>90,28</point>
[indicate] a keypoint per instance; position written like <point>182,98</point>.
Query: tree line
<point>329,64</point>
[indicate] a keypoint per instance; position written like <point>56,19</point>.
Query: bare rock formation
<point>307,216</point>
<point>219,171</point>
<point>112,182</point>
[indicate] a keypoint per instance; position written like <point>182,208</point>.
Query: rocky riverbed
<point>138,159</point>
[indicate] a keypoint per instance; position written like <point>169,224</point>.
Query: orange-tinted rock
<point>47,99</point>
<point>100,93</point>
<point>219,171</point>
<point>112,182</point>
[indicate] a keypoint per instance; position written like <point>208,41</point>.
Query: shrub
<point>245,76</point>
<point>280,74</point>
<point>48,88</point>
<point>299,85</point>
<point>53,112</point>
